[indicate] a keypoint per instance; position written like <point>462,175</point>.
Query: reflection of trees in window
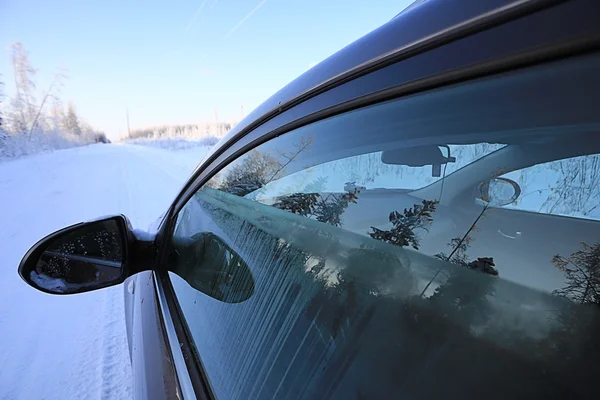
<point>331,208</point>
<point>577,188</point>
<point>298,203</point>
<point>258,168</point>
<point>404,225</point>
<point>574,343</point>
<point>251,174</point>
<point>458,247</point>
<point>463,297</point>
<point>327,209</point>
<point>582,273</point>
<point>571,186</point>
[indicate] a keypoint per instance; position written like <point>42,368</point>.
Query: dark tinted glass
<point>89,255</point>
<point>388,253</point>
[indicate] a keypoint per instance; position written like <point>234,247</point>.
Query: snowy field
<point>74,347</point>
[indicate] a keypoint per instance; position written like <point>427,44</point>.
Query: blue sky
<point>179,61</point>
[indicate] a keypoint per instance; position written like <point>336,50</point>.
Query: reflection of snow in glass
<point>46,282</point>
<point>569,187</point>
<point>369,171</point>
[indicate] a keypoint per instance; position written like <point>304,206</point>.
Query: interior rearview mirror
<point>419,156</point>
<point>499,191</point>
<point>79,258</point>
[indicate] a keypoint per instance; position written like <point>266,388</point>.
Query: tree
<point>331,208</point>
<point>582,274</point>
<point>72,125</point>
<point>463,297</point>
<point>328,209</point>
<point>298,203</point>
<point>23,103</point>
<point>404,225</point>
<point>259,168</point>
<point>57,116</point>
<point>575,341</point>
<point>1,99</point>
<point>251,174</point>
<point>54,86</point>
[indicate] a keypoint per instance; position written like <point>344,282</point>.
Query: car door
<point>316,264</point>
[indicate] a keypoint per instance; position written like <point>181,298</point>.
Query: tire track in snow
<point>116,371</point>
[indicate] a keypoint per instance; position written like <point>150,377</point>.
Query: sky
<point>181,61</point>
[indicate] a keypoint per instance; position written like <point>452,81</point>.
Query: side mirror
<point>499,191</point>
<point>80,258</point>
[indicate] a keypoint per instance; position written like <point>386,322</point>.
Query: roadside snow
<point>175,143</point>
<point>71,347</point>
<point>12,147</point>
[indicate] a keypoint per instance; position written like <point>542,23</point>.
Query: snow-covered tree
<point>56,115</point>
<point>188,131</point>
<point>1,101</point>
<point>23,104</point>
<point>71,123</point>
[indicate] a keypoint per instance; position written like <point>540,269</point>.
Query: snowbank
<point>175,143</point>
<point>14,146</point>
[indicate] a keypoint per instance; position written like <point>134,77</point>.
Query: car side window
<point>377,254</point>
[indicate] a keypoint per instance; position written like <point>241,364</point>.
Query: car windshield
<point>371,172</point>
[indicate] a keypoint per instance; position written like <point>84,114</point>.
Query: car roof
<point>419,21</point>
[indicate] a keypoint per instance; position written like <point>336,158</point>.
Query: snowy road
<point>73,347</point>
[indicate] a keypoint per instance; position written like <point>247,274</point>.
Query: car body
<point>402,282</point>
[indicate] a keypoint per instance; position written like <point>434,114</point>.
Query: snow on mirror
<point>79,258</point>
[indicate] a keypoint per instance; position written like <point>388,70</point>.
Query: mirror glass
<point>500,191</point>
<point>80,258</point>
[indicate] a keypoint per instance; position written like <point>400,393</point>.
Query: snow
<point>175,143</point>
<point>71,347</point>
<point>16,146</point>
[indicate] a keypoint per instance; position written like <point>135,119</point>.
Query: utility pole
<point>128,131</point>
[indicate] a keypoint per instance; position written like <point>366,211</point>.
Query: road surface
<point>74,347</point>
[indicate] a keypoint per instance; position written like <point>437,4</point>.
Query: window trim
<point>169,304</point>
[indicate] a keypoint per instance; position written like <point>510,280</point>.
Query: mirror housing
<point>86,256</point>
<point>499,192</point>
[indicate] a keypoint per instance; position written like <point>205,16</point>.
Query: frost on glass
<point>83,257</point>
<point>334,313</point>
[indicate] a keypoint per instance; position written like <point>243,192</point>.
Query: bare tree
<point>55,85</point>
<point>582,273</point>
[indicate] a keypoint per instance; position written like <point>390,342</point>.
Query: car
<point>415,217</point>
